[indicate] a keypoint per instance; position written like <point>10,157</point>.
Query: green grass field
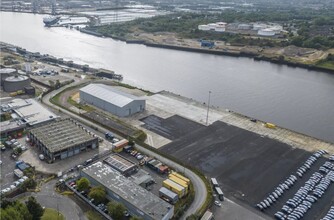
<point>91,215</point>
<point>327,65</point>
<point>51,214</point>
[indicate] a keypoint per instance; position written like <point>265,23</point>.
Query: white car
<point>140,156</point>
<point>23,147</point>
<point>21,180</point>
<point>41,157</point>
<point>25,177</point>
<point>12,187</point>
<point>217,203</point>
<point>17,183</point>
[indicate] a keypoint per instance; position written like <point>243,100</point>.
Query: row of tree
<point>30,210</point>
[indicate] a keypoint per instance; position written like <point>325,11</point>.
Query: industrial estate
<point>158,159</point>
<point>89,146</point>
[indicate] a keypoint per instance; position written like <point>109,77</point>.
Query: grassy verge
<point>326,64</point>
<point>87,108</point>
<point>52,214</point>
<point>91,215</point>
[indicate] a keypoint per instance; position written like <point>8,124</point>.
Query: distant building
<point>136,199</point>
<point>245,26</point>
<point>218,27</point>
<point>268,32</point>
<point>111,100</point>
<point>62,138</point>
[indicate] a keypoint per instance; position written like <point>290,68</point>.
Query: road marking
<point>9,174</point>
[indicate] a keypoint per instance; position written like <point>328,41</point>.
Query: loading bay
<point>247,165</point>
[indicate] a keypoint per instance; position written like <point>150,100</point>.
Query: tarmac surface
<point>172,127</point>
<point>247,165</point>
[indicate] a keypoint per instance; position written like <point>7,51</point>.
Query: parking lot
<point>6,169</point>
<point>248,166</point>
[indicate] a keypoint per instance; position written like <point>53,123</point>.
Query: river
<point>293,98</point>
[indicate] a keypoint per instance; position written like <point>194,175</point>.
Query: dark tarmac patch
<point>247,165</point>
<point>171,128</point>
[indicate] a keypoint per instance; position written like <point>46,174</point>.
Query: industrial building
<point>136,199</point>
<point>111,100</point>
<point>62,138</point>
<point>218,27</point>
<point>5,73</point>
<point>121,164</point>
<point>23,113</point>
<point>15,83</point>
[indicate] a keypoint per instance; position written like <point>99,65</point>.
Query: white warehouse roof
<point>109,94</point>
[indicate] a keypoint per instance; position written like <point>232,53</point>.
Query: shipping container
<point>181,177</point>
<point>118,146</point>
<point>207,215</point>
<point>169,195</point>
<point>180,182</point>
<point>214,182</point>
<point>163,169</point>
<point>220,193</point>
<point>18,173</point>
<point>174,187</point>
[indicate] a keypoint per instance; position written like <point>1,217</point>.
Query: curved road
<point>48,198</point>
<point>199,186</point>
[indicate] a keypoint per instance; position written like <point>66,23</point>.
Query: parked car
<point>139,156</point>
<point>41,157</point>
<point>217,203</point>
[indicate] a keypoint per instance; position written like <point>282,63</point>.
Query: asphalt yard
<point>172,127</point>
<point>247,165</point>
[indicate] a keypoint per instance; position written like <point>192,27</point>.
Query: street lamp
<point>207,113</point>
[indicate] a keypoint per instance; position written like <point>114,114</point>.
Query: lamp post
<point>207,113</point>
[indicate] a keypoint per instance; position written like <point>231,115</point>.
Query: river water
<point>293,98</point>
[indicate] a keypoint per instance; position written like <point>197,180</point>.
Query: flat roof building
<point>137,200</point>
<point>62,138</point>
<point>121,164</point>
<point>111,100</point>
<point>24,112</point>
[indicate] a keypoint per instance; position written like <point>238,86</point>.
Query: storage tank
<point>15,83</point>
<point>6,72</point>
<point>266,32</point>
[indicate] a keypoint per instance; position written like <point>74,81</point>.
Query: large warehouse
<point>137,200</point>
<point>62,138</point>
<point>111,100</point>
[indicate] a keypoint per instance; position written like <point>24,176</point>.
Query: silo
<point>15,83</point>
<point>6,72</point>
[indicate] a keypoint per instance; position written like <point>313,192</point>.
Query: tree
<point>23,210</point>
<point>35,209</point>
<point>116,210</point>
<point>28,184</point>
<point>15,210</point>
<point>136,218</point>
<point>98,194</point>
<point>83,184</point>
<point>10,213</point>
<point>193,217</point>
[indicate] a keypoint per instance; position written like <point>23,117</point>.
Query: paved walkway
<point>199,186</point>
